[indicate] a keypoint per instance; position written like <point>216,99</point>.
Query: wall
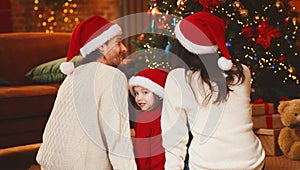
<point>25,19</point>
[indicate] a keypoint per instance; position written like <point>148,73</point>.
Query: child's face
<point>144,98</point>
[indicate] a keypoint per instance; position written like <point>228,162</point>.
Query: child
<point>211,99</point>
<point>147,87</point>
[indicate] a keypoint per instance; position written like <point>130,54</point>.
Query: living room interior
<point>34,38</point>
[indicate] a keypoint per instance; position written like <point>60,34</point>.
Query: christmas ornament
<point>282,58</point>
<point>181,4</point>
<point>222,1</point>
<point>279,5</point>
<point>265,33</point>
<point>243,12</point>
<point>155,11</point>
<point>207,4</point>
<point>248,32</point>
<point>142,37</point>
<point>237,4</point>
<point>292,70</point>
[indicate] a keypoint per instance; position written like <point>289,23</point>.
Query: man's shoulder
<point>111,70</point>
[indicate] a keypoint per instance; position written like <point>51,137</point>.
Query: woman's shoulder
<point>178,73</point>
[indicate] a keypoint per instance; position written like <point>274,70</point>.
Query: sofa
<point>25,105</point>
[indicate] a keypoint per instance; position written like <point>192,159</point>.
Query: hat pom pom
<point>224,64</point>
<point>67,67</point>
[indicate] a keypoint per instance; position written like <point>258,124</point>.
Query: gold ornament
<point>181,4</point>
<point>222,1</point>
<point>155,11</point>
<point>294,20</point>
<point>237,4</point>
<point>243,12</point>
<point>279,4</point>
<point>292,70</point>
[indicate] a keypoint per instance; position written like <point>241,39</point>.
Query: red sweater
<point>149,151</point>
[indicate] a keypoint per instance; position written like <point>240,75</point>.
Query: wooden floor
<point>272,163</point>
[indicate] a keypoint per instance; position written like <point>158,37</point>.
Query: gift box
<point>269,141</point>
<point>262,108</point>
<point>269,121</point>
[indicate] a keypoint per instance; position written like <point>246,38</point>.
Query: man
<point>88,127</point>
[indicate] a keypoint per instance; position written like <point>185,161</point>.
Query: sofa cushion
<point>48,72</point>
<point>4,82</point>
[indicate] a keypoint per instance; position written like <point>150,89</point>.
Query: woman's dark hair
<point>210,72</point>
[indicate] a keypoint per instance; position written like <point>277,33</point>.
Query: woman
<point>211,99</point>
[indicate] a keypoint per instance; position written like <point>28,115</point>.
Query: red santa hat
<point>204,33</point>
<point>151,79</point>
<point>87,36</point>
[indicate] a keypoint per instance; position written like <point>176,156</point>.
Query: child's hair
<point>215,74</point>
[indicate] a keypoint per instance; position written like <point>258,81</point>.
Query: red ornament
<point>248,32</point>
<point>282,58</point>
<point>207,4</point>
<point>265,34</point>
<point>142,37</point>
<point>286,20</point>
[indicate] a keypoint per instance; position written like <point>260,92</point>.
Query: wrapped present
<point>268,121</point>
<point>259,107</point>
<point>269,141</point>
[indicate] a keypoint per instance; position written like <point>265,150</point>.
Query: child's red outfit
<point>148,147</point>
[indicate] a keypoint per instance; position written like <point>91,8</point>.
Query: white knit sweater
<point>88,128</point>
<point>223,138</point>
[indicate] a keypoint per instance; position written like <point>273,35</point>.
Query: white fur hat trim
<point>224,64</point>
<point>100,40</point>
<point>146,83</point>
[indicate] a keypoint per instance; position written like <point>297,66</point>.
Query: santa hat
<point>88,35</point>
<point>204,33</point>
<point>151,79</point>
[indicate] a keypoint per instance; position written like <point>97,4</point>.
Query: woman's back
<point>222,132</point>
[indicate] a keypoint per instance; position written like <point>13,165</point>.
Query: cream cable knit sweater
<point>223,138</point>
<point>89,125</point>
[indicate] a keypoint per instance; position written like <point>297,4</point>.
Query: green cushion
<point>4,82</point>
<point>48,72</point>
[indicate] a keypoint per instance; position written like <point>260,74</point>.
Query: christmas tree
<point>260,34</point>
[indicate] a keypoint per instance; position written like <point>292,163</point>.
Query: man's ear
<point>101,49</point>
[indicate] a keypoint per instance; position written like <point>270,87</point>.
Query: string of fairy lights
<point>270,61</point>
<point>60,15</point>
<point>274,62</point>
